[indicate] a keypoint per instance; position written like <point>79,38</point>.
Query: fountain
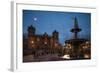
<point>77,47</point>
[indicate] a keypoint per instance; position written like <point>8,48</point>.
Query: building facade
<point>37,44</point>
<point>36,41</point>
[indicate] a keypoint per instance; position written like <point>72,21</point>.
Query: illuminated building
<point>45,43</point>
<point>36,41</point>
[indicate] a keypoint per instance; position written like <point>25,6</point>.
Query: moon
<point>35,19</point>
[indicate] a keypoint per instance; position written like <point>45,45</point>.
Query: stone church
<point>44,42</point>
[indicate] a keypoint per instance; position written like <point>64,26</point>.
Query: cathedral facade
<point>44,43</point>
<point>36,41</point>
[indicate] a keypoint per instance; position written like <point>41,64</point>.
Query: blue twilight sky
<point>48,21</point>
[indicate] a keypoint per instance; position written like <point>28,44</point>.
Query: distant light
<point>87,42</point>
<point>32,42</point>
<point>66,56</point>
<point>86,56</point>
<point>45,42</point>
<point>68,46</point>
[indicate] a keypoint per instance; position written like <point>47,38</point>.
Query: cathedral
<point>36,41</point>
<point>44,44</point>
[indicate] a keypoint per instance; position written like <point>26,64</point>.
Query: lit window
<point>87,42</point>
<point>69,46</point>
<point>38,39</point>
<point>85,47</point>
<point>86,56</point>
<point>56,44</point>
<point>32,42</point>
<point>45,42</point>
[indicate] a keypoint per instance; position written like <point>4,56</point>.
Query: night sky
<point>48,21</point>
